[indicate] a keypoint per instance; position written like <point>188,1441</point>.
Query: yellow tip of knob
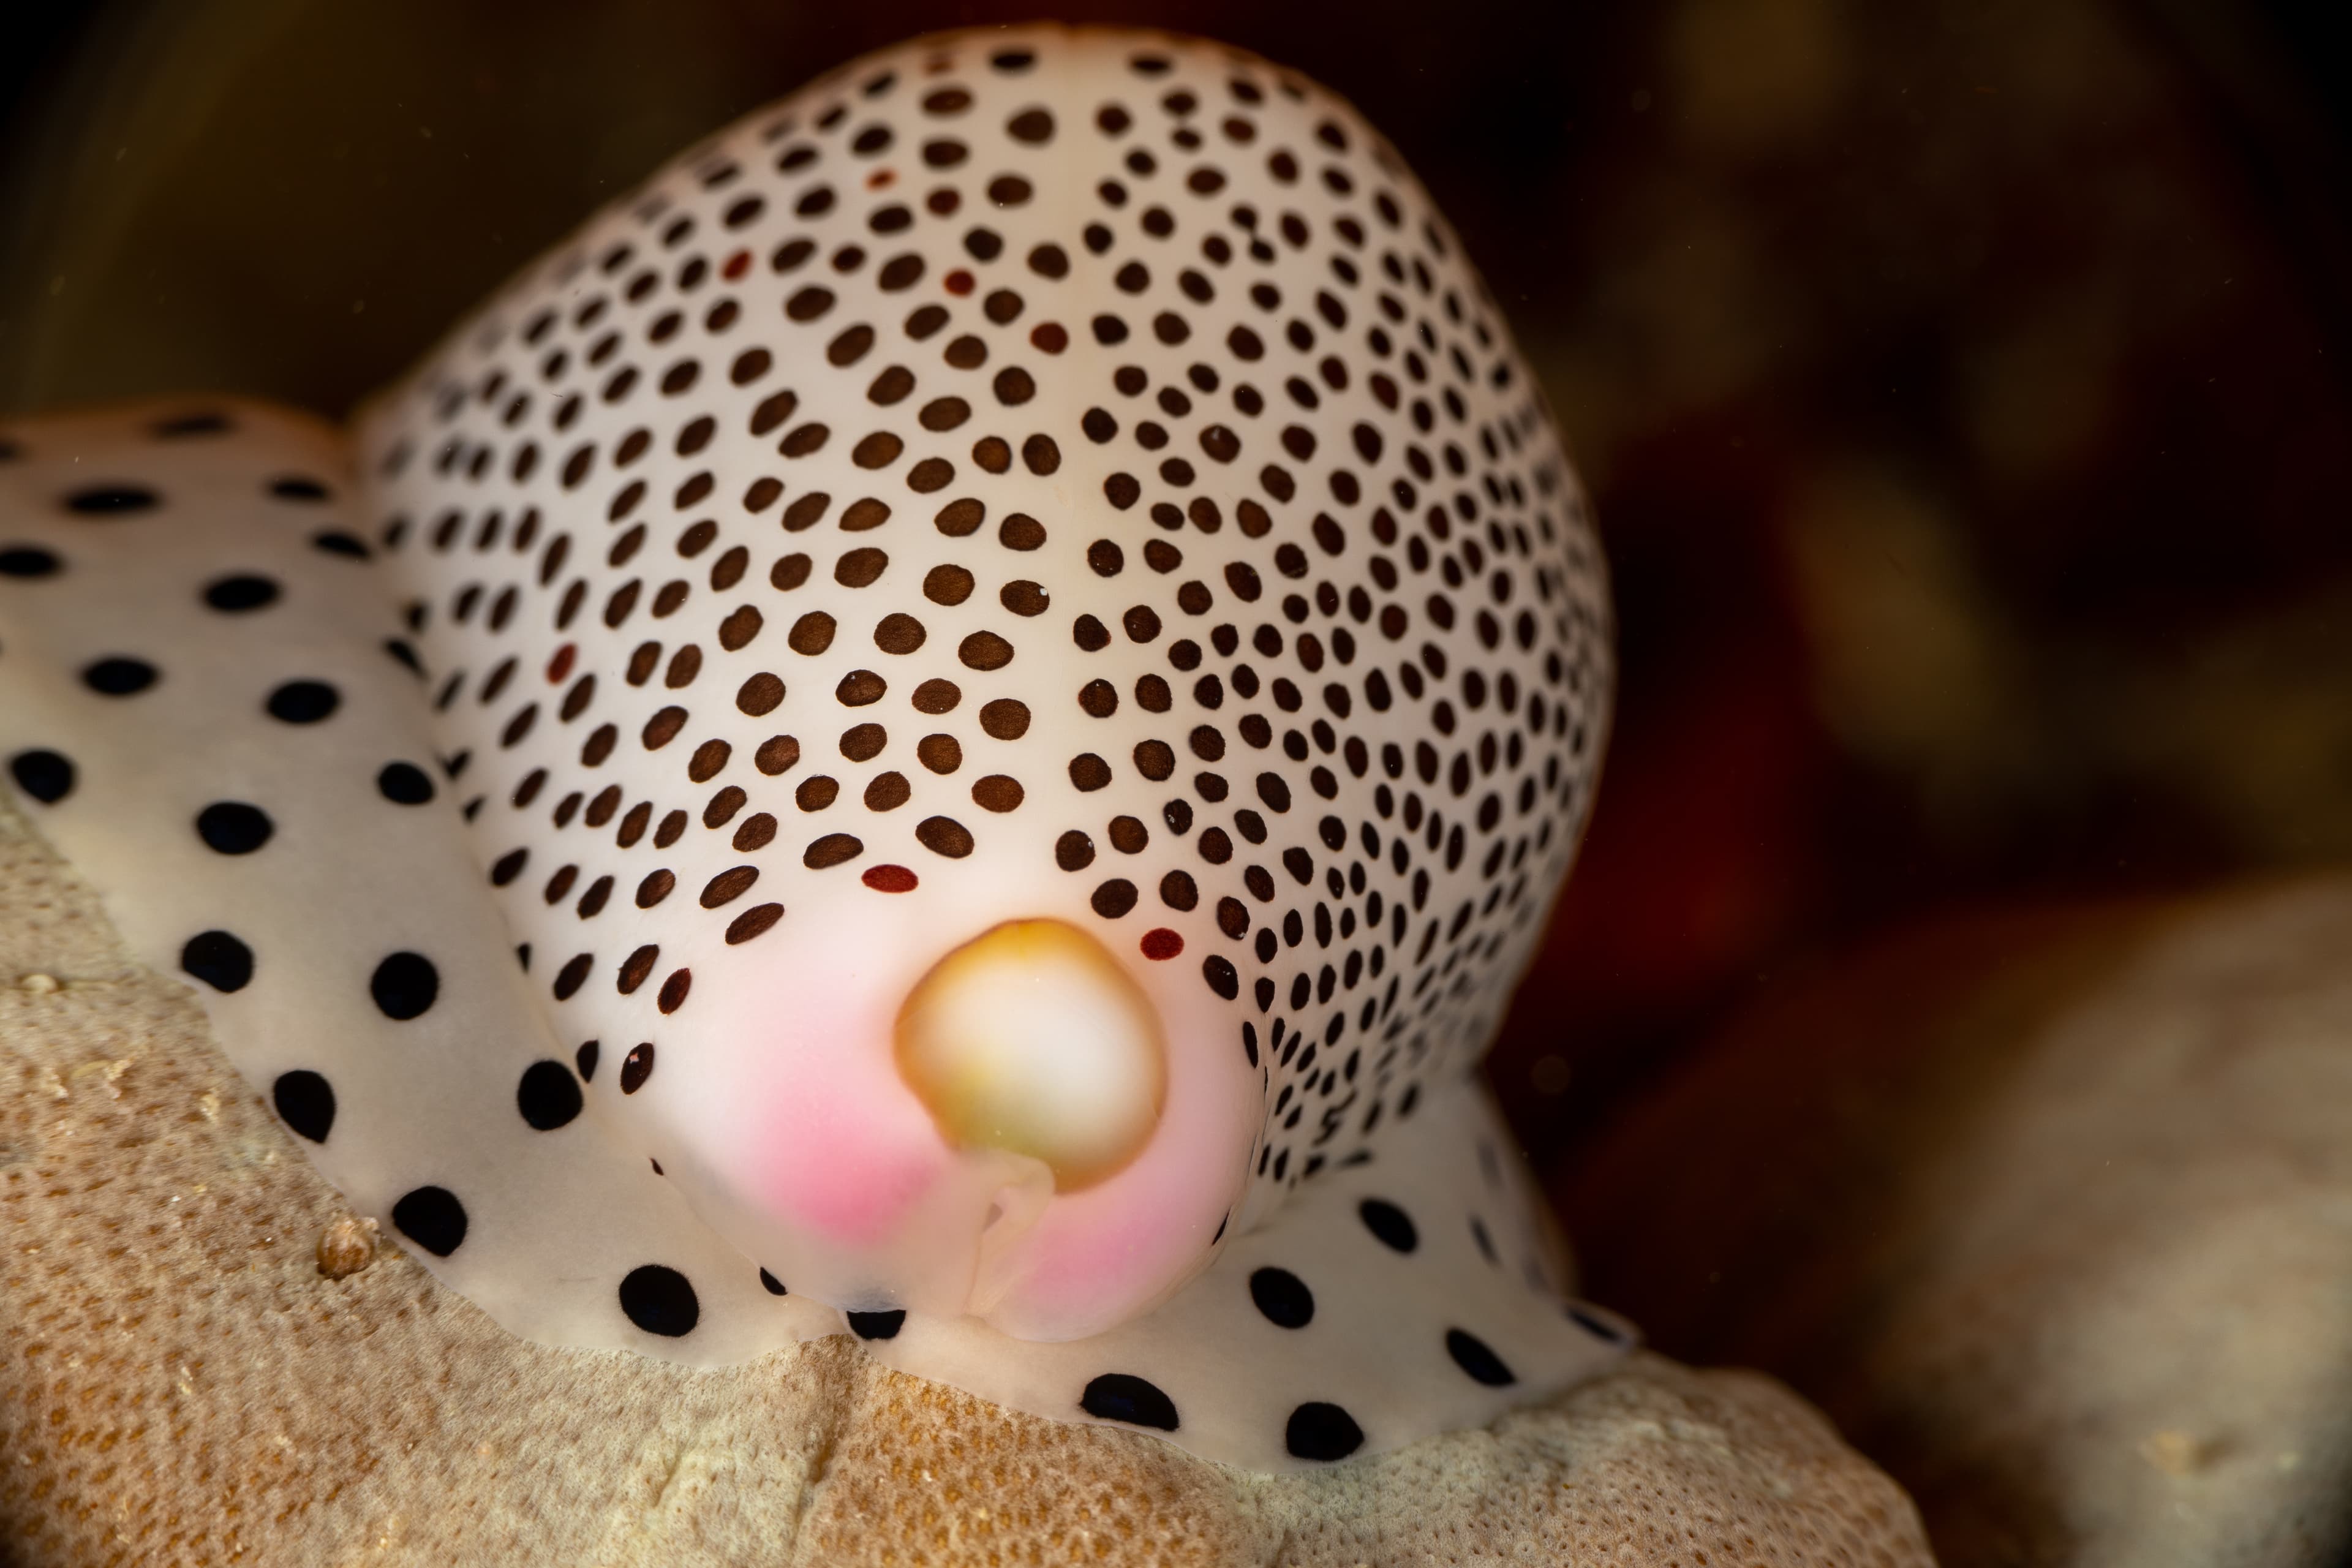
<point>1032,1038</point>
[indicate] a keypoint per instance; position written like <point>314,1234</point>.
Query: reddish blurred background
<point>1962,385</point>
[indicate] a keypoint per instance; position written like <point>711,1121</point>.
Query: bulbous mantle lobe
<point>1145,405</point>
<point>1056,481</point>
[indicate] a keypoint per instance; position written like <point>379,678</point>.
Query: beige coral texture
<point>2050,1207</point>
<point>181,1382</point>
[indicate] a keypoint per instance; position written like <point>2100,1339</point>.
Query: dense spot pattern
<point>753,537</point>
<point>837,513</point>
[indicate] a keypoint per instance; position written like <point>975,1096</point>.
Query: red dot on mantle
<point>1161,943</point>
<point>737,265</point>
<point>561,665</point>
<point>891,879</point>
<point>959,282</point>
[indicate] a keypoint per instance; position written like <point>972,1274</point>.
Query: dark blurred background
<point>1962,385</point>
